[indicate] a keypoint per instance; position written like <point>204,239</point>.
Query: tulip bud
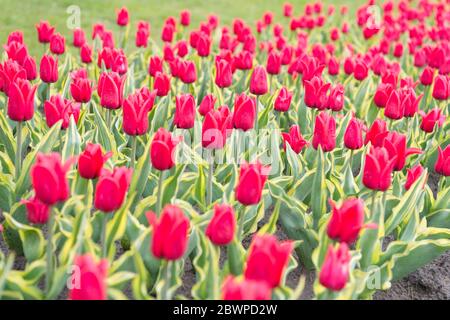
<point>57,108</point>
<point>203,45</point>
<point>273,63</point>
<point>110,89</point>
<point>441,89</point>
<point>184,111</point>
<point>336,98</point>
<point>170,233</point>
<point>377,132</point>
<point>188,72</point>
<point>91,277</point>
<point>244,112</point>
<point>412,175</point>
<point>155,66</point>
<point>295,139</point>
<point>382,94</point>
<point>45,31</point>
<point>335,269</point>
<point>395,144</point>
<point>48,69</point>
<point>86,53</point>
<point>207,104</point>
<point>37,211</point>
<point>283,100</point>
<point>185,18</point>
<point>258,81</point>
<point>214,128</point>
<point>122,17</point>
<point>353,135</point>
<point>162,150</point>
<point>234,289</point>
<point>79,37</point>
<point>111,189</point>
<point>135,112</point>
<point>346,221</point>
<point>30,67</point>
<point>432,118</point>
<point>222,226</point>
<point>333,66</point>
<point>167,32</point>
<point>81,88</point>
<point>21,100</point>
<point>324,132</point>
<point>378,168</point>
<point>162,84</point>
<point>442,165</point>
<point>426,77</point>
<point>48,178</point>
<point>57,44</point>
<point>224,75</point>
<point>91,161</point>
<point>252,178</point>
<point>316,93</point>
<point>267,259</point>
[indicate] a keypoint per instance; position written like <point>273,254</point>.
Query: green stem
<point>133,152</point>
<point>257,113</point>
<point>108,118</point>
<point>167,279</point>
<point>50,227</point>
<point>241,223</point>
<point>18,150</point>
<point>210,175</point>
<point>159,192</point>
<point>351,160</point>
<point>372,209</point>
<point>103,234</point>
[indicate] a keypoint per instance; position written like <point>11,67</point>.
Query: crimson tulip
<point>48,69</point>
<point>79,37</point>
<point>185,18</point>
<point>334,272</point>
<point>29,64</point>
<point>110,89</point>
<point>214,128</point>
<point>224,75</point>
<point>273,63</point>
<point>377,132</point>
<point>395,144</point>
<point>244,112</point>
<point>57,44</point>
<point>382,94</point>
<point>170,233</point>
<point>353,134</point>
<point>258,81</point>
<point>316,93</point>
<point>430,119</point>
<point>188,72</point>
<point>252,178</point>
<point>111,189</point>
<point>155,65</point>
<point>283,100</point>
<point>91,161</point>
<point>378,168</point>
<point>10,71</point>
<point>122,17</point>
<point>184,117</point>
<point>21,100</point>
<point>81,86</point>
<point>162,150</point>
<point>45,31</point>
<point>412,175</point>
<point>86,53</point>
<point>336,98</point>
<point>442,165</point>
<point>324,132</point>
<point>162,84</point>
<point>37,211</point>
<point>222,227</point>
<point>294,138</point>
<point>441,89</point>
<point>267,259</point>
<point>426,77</point>
<point>91,277</point>
<point>48,178</point>
<point>57,108</point>
<point>207,104</point>
<point>234,289</point>
<point>135,112</point>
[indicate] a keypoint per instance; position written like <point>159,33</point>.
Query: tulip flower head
<point>91,279</point>
<point>244,289</point>
<point>91,161</point>
<point>334,272</point>
<point>252,178</point>
<point>222,227</point>
<point>162,150</point>
<point>111,189</point>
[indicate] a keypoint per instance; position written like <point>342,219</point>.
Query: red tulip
<point>234,289</point>
<point>48,69</point>
<point>155,66</point>
<point>336,98</point>
<point>410,102</point>
<point>184,111</point>
<point>122,17</point>
<point>57,44</point>
<point>110,90</point>
<point>167,32</point>
<point>348,66</point>
<point>441,89</point>
<point>395,144</point>
<point>244,112</point>
<point>142,36</point>
<point>119,62</point>
<point>81,87</point>
<point>86,53</point>
<point>377,132</point>
<point>214,128</point>
<point>361,71</point>
<point>45,31</point>
<point>426,77</point>
<point>353,134</point>
<point>412,175</point>
<point>29,64</point>
<point>394,107</point>
<point>222,226</point>
<point>91,161</point>
<point>182,48</point>
<point>224,75</point>
<point>442,165</point>
<point>287,9</point>
<point>91,277</point>
<point>335,269</point>
<point>316,93</point>
<point>97,30</point>
<point>267,259</point>
<point>378,169</point>
<point>252,178</point>
<point>48,177</point>
<point>79,37</point>
<point>283,100</point>
<point>21,100</point>
<point>15,36</point>
<point>333,66</point>
<point>162,150</point>
<point>108,40</point>
<point>203,45</point>
<point>10,71</point>
<point>170,233</point>
<point>273,63</point>
<point>382,94</point>
<point>432,118</point>
<point>258,81</point>
<point>135,112</point>
<point>185,18</point>
<point>57,108</point>
<point>207,104</point>
<point>324,132</point>
<point>16,51</point>
<point>295,139</point>
<point>347,221</point>
<point>37,211</point>
<point>111,189</point>
<point>243,60</point>
<point>188,72</point>
<point>162,84</point>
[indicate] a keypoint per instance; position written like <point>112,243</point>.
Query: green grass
<point>24,15</point>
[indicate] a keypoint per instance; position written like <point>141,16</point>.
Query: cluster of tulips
<point>334,125</point>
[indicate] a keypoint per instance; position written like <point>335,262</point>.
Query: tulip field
<point>304,153</point>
